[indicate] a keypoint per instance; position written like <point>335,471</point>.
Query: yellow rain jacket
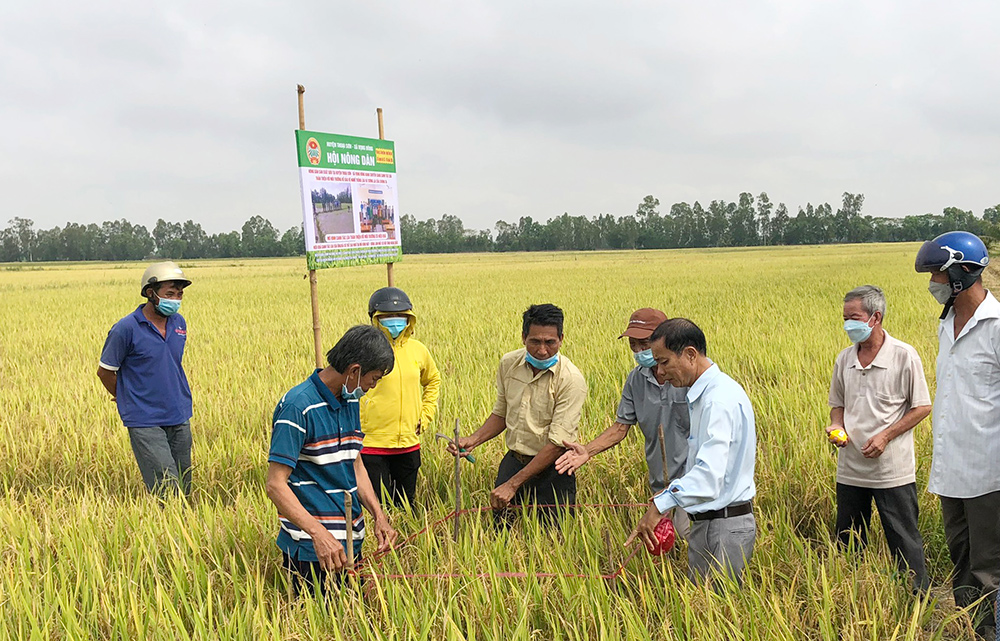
<point>390,411</point>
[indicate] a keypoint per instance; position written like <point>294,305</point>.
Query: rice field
<point>87,554</point>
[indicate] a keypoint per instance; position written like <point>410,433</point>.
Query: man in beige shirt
<point>878,395</point>
<point>540,396</point>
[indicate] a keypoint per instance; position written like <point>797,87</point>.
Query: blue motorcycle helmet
<point>960,254</point>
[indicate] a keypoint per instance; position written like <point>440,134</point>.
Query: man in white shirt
<point>718,486</point>
<point>878,394</point>
<point>965,472</point>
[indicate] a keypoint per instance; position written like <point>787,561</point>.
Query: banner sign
<point>350,204</point>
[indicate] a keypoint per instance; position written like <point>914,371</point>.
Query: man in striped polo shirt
<point>313,461</point>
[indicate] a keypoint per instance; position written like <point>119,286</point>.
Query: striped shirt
<point>319,437</point>
<point>966,421</point>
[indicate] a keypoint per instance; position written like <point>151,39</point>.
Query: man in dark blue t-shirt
<point>313,461</point>
<point>141,367</point>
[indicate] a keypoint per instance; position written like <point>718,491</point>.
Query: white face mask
<point>940,291</point>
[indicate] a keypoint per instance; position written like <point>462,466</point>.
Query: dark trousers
<point>309,576</point>
<point>164,457</point>
<point>394,476</point>
<point>972,528</point>
<point>548,488</point>
<point>897,509</point>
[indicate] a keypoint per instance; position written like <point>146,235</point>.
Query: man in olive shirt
<point>540,396</point>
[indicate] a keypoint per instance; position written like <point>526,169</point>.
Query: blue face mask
<point>537,364</point>
<point>857,331</point>
<point>168,306</point>
<point>394,325</point>
<point>354,395</point>
<point>645,358</point>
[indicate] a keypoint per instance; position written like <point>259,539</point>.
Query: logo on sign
<point>312,151</point>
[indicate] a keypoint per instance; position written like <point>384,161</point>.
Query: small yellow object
<point>838,437</point>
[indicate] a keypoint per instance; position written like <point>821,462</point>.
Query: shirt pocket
<point>985,373</point>
<point>542,405</point>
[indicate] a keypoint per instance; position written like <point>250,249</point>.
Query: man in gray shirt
<point>649,402</point>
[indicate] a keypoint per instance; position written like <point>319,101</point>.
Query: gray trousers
<point>721,545</point>
<point>164,457</point>
<point>972,528</point>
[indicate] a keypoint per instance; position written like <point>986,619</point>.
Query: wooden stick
<point>458,478</point>
<point>663,455</point>
<point>390,277</point>
<point>313,281</point>
<point>349,522</point>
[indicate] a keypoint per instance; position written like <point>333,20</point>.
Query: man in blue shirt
<point>313,461</point>
<point>141,368</point>
<point>718,486</point>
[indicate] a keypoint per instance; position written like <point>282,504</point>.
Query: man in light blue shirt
<point>718,487</point>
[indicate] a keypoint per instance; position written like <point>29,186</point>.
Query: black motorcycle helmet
<point>388,299</point>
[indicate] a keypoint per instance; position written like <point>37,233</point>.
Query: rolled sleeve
<point>626,406</point>
<point>116,347</point>
<point>836,398</point>
<point>288,435</point>
<point>567,411</point>
<point>500,406</point>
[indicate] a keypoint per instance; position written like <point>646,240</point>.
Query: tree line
<point>121,240</point>
<point>748,221</point>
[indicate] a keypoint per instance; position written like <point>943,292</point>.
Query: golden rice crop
<point>87,554</point>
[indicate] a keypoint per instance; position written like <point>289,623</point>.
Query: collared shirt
<point>151,388</point>
<point>966,415</point>
<point>649,405</point>
<point>873,398</point>
<point>722,448</point>
<point>539,408</point>
<point>318,436</point>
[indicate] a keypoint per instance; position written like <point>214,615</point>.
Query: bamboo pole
<point>349,524</point>
<point>381,136</point>
<point>313,280</point>
<point>458,479</point>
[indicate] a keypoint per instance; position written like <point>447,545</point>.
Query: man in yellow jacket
<point>404,403</point>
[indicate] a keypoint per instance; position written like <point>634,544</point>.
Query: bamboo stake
<point>458,479</point>
<point>313,280</point>
<point>381,136</point>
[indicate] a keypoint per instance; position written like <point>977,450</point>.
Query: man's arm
<point>501,496</point>
<point>876,445</point>
<point>110,381</point>
<point>577,455</point>
<point>491,428</point>
<point>329,551</point>
<point>384,534</point>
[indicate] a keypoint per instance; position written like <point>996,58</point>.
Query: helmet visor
<point>933,257</point>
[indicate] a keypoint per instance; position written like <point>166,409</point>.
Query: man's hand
<point>329,551</point>
<point>830,429</point>
<point>574,458</point>
<point>384,534</point>
<point>644,529</point>
<point>420,428</point>
<point>875,445</point>
<point>464,444</point>
<point>502,495</point>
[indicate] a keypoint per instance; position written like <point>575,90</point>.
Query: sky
<point>186,110</point>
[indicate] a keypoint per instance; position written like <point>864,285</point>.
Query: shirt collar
<point>324,391</point>
<point>141,318</point>
<point>882,359</point>
<point>699,386</point>
<point>523,363</point>
<point>650,376</point>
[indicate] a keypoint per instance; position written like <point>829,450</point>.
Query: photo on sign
<point>376,210</point>
<point>332,209</point>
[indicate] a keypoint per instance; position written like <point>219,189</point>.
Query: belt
<point>524,459</point>
<point>736,509</point>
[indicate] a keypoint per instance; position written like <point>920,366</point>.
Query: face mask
<point>393,324</point>
<point>940,291</point>
<point>168,306</point>
<point>645,358</point>
<point>857,331</point>
<point>352,396</point>
<point>537,364</point>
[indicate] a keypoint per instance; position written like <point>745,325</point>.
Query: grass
<point>87,554</point>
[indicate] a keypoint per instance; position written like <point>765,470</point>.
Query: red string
<point>370,564</point>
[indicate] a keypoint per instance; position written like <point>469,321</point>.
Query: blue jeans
<point>164,457</point>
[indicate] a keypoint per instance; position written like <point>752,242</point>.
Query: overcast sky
<point>498,109</point>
